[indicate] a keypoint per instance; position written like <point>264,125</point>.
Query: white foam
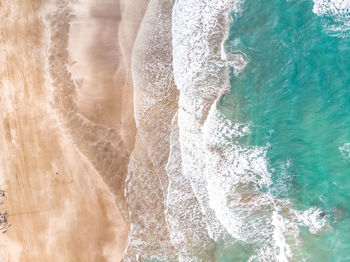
<point>185,220</point>
<point>238,61</point>
<point>339,11</point>
<point>155,97</point>
<point>345,150</point>
<point>312,219</point>
<point>199,29</point>
<point>339,8</point>
<point>234,175</point>
<point>284,251</point>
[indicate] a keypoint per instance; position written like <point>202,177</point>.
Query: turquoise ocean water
<point>295,92</point>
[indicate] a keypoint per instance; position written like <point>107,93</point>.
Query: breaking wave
<point>339,13</point>
<point>230,181</point>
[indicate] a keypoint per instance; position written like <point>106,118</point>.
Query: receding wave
<point>155,103</point>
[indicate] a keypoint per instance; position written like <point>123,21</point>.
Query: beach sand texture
<point>67,127</point>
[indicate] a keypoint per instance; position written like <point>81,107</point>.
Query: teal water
<point>295,92</point>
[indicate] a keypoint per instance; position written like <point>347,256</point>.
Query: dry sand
<point>63,163</point>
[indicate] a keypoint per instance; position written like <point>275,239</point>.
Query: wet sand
<point>89,64</point>
<point>66,139</point>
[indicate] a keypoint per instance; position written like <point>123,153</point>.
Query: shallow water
<point>295,95</point>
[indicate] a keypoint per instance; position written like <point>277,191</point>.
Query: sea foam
<point>199,28</point>
<point>345,150</point>
<point>338,11</point>
<point>230,181</point>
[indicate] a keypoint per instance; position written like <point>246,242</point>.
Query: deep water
<point>295,92</point>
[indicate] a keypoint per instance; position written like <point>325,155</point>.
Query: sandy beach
<point>174,130</point>
<point>67,128</point>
